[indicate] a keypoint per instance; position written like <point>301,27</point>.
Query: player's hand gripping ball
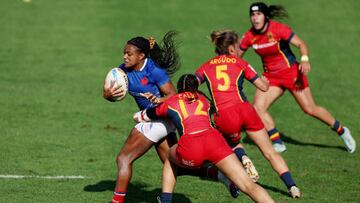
<point>117,79</point>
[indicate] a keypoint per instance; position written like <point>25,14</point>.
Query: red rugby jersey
<point>224,76</point>
<point>188,114</point>
<point>272,46</point>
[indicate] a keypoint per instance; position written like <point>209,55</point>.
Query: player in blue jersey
<point>147,66</point>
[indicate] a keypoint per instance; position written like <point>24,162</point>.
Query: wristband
<point>144,116</point>
<point>141,116</point>
<point>304,58</point>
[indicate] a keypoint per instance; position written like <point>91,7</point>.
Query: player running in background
<point>224,75</point>
<point>199,141</point>
<point>147,66</point>
<point>270,40</point>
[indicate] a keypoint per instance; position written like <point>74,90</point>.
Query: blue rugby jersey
<point>148,79</point>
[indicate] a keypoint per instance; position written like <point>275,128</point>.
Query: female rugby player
<point>147,66</point>
<point>270,40</point>
<point>199,141</point>
<point>224,75</point>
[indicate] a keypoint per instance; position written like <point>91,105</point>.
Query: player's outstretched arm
<point>167,89</point>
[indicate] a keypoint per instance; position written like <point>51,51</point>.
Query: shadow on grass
<point>274,189</point>
<point>136,192</point>
<point>102,186</point>
<point>290,140</point>
<point>293,141</point>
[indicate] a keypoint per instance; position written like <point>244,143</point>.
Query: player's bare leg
<point>262,102</point>
<point>232,168</point>
<point>246,162</point>
<point>163,146</point>
<point>134,147</point>
<point>168,177</point>
<point>262,141</point>
<point>306,102</point>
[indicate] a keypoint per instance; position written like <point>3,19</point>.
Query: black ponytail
<point>187,83</point>
<point>277,11</point>
<point>164,55</point>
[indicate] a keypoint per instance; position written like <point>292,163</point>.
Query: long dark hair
<point>187,83</point>
<point>271,11</point>
<point>164,55</point>
<point>222,39</point>
<point>277,11</point>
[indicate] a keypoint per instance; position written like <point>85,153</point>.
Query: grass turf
<point>54,56</point>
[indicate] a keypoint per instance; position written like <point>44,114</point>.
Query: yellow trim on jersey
<point>183,108</point>
<point>212,92</point>
<point>181,120</point>
<point>237,88</point>
<point>282,53</point>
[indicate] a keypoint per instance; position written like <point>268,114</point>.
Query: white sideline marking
<point>41,177</point>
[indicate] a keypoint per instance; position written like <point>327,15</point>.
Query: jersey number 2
<point>198,110</point>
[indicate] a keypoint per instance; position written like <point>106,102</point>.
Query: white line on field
<point>41,177</point>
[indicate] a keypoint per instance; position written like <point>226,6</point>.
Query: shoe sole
<point>350,139</point>
<point>295,194</point>
<point>251,171</point>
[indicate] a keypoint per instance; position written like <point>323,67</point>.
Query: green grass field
<point>54,56</point>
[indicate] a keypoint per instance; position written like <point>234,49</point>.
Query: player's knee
<point>309,110</point>
<point>122,160</point>
<point>270,154</point>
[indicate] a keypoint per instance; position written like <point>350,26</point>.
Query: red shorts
<point>194,149</point>
<point>231,121</point>
<point>290,78</point>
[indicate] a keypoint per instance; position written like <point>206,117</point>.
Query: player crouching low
<point>199,141</point>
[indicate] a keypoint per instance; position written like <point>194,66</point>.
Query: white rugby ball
<point>120,78</point>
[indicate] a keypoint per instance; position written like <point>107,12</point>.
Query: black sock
<point>166,197</point>
<point>274,135</point>
<point>287,179</point>
<point>337,127</point>
<point>240,152</point>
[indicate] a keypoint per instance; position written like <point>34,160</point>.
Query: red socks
<point>118,197</point>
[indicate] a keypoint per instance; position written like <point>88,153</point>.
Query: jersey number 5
<point>221,74</point>
<point>198,110</point>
